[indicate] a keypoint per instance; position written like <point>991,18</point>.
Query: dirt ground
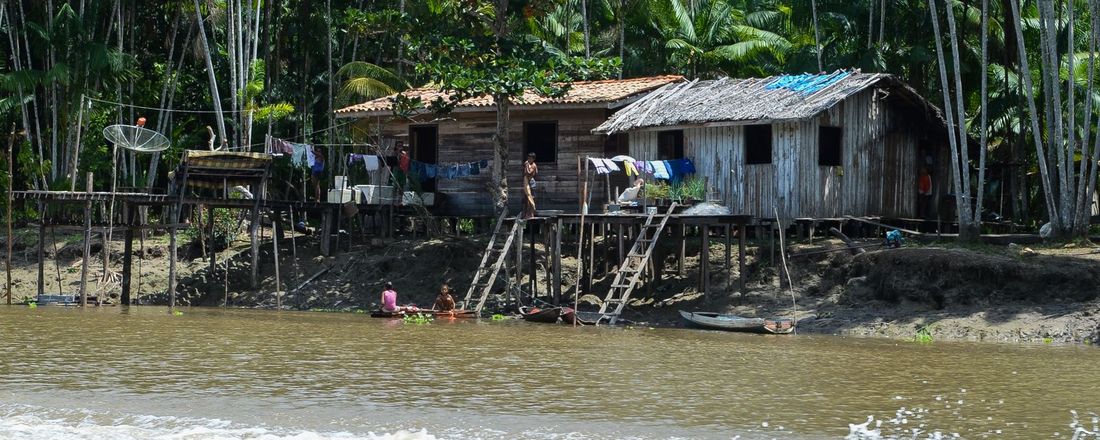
<point>991,293</point>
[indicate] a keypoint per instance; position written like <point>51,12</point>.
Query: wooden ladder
<point>626,278</point>
<point>495,257</point>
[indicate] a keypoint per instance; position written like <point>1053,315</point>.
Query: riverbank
<point>946,292</point>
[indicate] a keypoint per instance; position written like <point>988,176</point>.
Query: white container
<point>341,182</point>
<point>374,194</point>
<point>652,210</point>
<point>340,196</point>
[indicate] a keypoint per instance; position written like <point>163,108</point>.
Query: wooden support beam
<point>210,249</point>
<point>622,251</point>
<point>127,252</point>
<point>175,215</point>
<point>726,261</point>
<point>87,243</point>
<point>741,229</point>
<point>275,245</point>
<point>253,230</point>
<point>704,261</point>
<point>557,262</point>
<point>533,276</point>
<point>591,255</point>
<point>681,235</point>
<point>42,250</point>
<point>326,232</point>
<point>517,242</point>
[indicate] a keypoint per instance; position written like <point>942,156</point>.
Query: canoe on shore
<point>546,316</point>
<point>426,312</point>
<point>736,323</point>
<point>568,315</point>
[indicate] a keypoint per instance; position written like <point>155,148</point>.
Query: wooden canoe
<point>548,315</point>
<point>433,313</point>
<point>568,315</point>
<point>736,323</point>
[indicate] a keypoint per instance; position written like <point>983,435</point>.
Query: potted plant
<point>693,190</point>
<point>658,192</point>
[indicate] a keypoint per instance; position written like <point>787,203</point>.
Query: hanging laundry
<point>629,168</point>
<point>475,169</point>
<point>660,171</point>
<point>611,165</point>
<point>370,162</point>
<point>601,167</point>
<point>311,158</point>
<point>679,168</point>
<point>302,155</point>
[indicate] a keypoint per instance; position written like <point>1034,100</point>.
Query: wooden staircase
<point>495,257</point>
<point>633,266</point>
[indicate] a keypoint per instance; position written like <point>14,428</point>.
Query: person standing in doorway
<point>924,193</point>
<point>530,171</point>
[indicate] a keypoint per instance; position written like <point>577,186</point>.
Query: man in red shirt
<point>924,193</point>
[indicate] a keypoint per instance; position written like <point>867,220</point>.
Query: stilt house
<point>812,146</point>
<point>557,130</point>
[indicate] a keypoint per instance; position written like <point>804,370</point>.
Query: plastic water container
<point>652,210</point>
<point>341,182</point>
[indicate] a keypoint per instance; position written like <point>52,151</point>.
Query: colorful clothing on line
<point>601,167</point>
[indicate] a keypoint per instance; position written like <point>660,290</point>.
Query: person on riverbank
<point>445,302</point>
<point>924,193</point>
<point>530,171</point>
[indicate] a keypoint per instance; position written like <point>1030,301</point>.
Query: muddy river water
<point>137,373</point>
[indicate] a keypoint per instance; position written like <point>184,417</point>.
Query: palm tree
<point>712,37</point>
<point>366,81</point>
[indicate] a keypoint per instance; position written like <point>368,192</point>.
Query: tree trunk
<point>984,125</point>
<point>584,14</point>
<point>956,172</point>
<point>215,96</point>
<point>817,37</point>
<point>1033,112</point>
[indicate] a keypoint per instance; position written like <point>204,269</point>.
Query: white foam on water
<point>28,422</point>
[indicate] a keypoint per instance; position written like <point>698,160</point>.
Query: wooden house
<point>813,146</point>
<point>557,130</point>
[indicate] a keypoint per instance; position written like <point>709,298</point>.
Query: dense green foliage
<point>286,64</point>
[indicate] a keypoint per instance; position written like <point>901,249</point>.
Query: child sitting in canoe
<point>444,302</point>
<point>389,301</point>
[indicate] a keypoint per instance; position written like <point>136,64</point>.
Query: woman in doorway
<point>530,171</point>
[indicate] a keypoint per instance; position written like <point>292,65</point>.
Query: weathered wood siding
<point>877,176</point>
<point>467,137</point>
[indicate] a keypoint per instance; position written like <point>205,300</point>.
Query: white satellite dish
<point>135,138</point>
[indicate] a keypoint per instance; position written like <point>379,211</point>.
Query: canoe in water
<point>432,313</point>
<point>546,316</point>
<point>736,323</point>
<point>568,315</point>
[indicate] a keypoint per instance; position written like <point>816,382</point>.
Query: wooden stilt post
<point>87,242</point>
<point>210,247</point>
<point>127,252</point>
<point>174,218</point>
<point>741,257</point>
<point>622,252</point>
<point>11,238</point>
<point>704,261</point>
<point>681,234</point>
<point>275,244</point>
<point>557,262</point>
<point>726,261</point>
<point>518,243</point>
<point>326,232</point>
<point>41,248</point>
<point>591,255</point>
<point>533,274</point>
<point>253,231</point>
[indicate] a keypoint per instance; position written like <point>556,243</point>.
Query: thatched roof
<point>771,99</point>
<point>582,94</point>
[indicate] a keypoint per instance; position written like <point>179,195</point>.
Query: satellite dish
<point>135,138</point>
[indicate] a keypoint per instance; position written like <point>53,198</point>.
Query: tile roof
<point>775,98</point>
<point>581,92</point>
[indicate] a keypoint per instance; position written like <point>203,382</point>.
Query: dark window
<point>616,144</point>
<point>758,144</point>
<point>670,144</point>
<point>541,138</point>
<point>828,146</point>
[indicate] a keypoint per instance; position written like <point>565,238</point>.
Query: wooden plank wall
<point>467,137</point>
<point>878,175</point>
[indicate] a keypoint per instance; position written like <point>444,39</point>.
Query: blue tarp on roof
<point>807,83</point>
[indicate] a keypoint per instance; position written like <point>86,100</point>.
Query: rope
<point>783,257</point>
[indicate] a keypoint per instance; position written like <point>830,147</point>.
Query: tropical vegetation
<point>1015,78</point>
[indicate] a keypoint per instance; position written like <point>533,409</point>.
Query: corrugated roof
<point>775,98</point>
<point>581,92</point>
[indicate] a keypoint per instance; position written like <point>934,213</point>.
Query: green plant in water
<point>177,313</point>
<point>498,317</point>
<point>924,335</point>
<point>32,305</point>
<point>418,318</point>
<point>1048,340</point>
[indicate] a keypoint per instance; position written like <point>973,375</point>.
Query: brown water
<point>142,373</point>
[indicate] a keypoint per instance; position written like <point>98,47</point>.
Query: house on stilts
<point>558,130</point>
<point>811,146</point>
